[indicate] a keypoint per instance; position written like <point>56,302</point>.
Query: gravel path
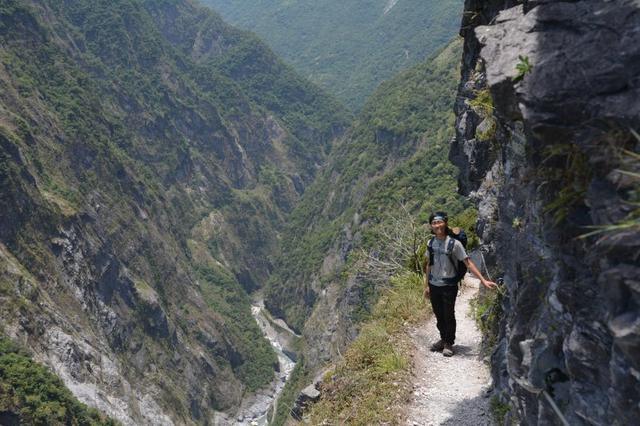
<point>450,391</point>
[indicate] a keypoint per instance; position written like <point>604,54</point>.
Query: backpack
<point>459,266</point>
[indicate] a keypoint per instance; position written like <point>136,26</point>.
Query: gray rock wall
<point>546,158</point>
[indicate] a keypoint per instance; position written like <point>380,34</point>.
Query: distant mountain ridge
<point>348,47</point>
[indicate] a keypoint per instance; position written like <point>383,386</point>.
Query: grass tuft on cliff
<point>368,385</point>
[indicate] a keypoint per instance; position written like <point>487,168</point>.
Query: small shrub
<point>517,224</point>
<point>482,104</point>
<point>523,67</point>
<point>499,409</point>
<point>487,312</point>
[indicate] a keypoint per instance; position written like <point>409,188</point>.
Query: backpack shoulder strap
<point>449,251</point>
<point>450,244</point>
<point>430,249</point>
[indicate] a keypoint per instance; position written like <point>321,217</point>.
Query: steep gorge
<point>546,114</point>
<point>390,164</point>
<point>149,156</point>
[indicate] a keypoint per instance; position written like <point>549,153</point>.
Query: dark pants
<point>443,302</point>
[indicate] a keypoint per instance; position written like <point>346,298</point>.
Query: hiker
<point>442,273</point>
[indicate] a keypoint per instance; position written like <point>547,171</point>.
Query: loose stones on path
<point>450,391</point>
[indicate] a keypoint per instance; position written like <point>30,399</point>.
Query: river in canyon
<point>256,409</point>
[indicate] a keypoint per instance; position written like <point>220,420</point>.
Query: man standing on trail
<point>441,279</point>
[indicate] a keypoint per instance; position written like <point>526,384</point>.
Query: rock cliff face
<point>548,156</point>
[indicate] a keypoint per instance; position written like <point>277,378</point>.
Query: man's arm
<point>474,269</point>
<point>460,253</point>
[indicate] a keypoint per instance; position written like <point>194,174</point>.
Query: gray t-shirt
<point>442,266</point>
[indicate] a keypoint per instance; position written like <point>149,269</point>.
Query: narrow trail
<point>450,391</point>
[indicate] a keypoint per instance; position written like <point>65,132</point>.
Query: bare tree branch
<point>401,247</point>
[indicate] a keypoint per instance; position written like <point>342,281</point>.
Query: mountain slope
<point>395,154</point>
<point>149,154</point>
<point>348,47</point>
<point>31,394</point>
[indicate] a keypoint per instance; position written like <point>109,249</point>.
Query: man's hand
<point>474,269</point>
<point>427,292</point>
<point>489,284</point>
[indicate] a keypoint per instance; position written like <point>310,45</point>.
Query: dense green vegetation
<point>395,154</point>
<point>225,296</point>
<point>35,395</point>
<point>170,146</point>
<point>348,47</point>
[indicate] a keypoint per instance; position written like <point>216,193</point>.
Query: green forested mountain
<point>348,47</point>
<point>149,154</point>
<point>394,154</point>
<point>391,162</point>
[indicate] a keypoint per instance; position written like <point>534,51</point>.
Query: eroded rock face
<point>563,79</point>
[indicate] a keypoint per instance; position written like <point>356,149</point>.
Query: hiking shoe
<point>437,346</point>
<point>447,350</point>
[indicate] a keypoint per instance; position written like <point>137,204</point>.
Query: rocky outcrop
<point>549,158</point>
<point>307,397</point>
